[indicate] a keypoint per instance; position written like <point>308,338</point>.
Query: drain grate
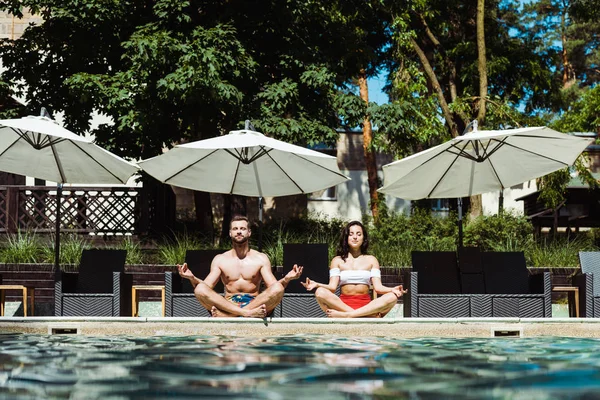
<point>63,330</point>
<point>507,331</point>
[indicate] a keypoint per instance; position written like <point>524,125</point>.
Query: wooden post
<point>12,209</point>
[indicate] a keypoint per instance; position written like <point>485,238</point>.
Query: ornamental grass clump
<point>559,252</point>
<point>172,251</point>
<point>21,248</point>
<point>71,247</point>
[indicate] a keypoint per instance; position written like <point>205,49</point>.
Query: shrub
<point>559,252</point>
<point>134,253</point>
<point>71,247</point>
<point>501,232</point>
<point>22,247</point>
<point>172,251</point>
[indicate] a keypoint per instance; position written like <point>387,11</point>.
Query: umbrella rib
<point>286,174</point>
<point>237,169</point>
<point>537,154</point>
<point>94,159</point>
<point>447,169</point>
<point>11,145</point>
<point>320,166</point>
<point>37,141</point>
<point>58,164</point>
<point>190,166</point>
<point>496,173</point>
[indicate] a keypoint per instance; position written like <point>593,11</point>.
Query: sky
<point>376,93</point>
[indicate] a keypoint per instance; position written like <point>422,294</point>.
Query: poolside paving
<point>390,327</point>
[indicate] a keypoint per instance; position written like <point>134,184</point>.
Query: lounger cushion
<point>505,272</point>
<point>438,272</point>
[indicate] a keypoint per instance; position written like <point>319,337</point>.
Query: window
<point>329,194</point>
<point>440,205</point>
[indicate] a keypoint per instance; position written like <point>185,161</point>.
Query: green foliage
<point>134,252</point>
<point>309,229</point>
<point>582,115</point>
<point>396,235</point>
<point>559,252</point>
<point>501,232</point>
<point>172,252</point>
<point>22,247</point>
<point>189,70</point>
<point>71,247</point>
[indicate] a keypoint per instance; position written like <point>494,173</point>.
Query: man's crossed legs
<point>219,306</point>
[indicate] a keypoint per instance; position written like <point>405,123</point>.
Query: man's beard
<point>240,239</point>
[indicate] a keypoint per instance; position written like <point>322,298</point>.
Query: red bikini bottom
<point>355,300</point>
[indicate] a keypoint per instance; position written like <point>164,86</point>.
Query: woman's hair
<point>343,248</point>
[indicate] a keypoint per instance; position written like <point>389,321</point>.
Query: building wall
<point>352,198</point>
<point>12,27</point>
<point>490,200</point>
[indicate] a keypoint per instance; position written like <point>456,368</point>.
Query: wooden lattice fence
<point>100,210</point>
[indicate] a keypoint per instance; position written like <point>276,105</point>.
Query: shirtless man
<point>241,270</point>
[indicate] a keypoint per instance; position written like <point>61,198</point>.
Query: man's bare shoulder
<point>223,257</point>
<point>258,255</point>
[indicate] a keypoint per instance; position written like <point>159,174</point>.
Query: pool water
<point>296,367</point>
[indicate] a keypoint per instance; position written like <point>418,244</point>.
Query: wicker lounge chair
<point>487,284</point>
<point>100,288</point>
<point>297,302</point>
<point>179,293</point>
<point>588,282</point>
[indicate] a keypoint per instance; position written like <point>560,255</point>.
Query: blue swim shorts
<point>241,299</point>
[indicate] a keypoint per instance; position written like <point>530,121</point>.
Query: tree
<point>567,34</point>
<point>461,58</point>
<point>169,71</point>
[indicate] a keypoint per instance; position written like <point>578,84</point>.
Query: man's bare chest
<point>241,269</point>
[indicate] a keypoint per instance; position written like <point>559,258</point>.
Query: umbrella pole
<point>460,224</point>
<point>501,202</point>
<point>57,243</point>
<point>260,220</point>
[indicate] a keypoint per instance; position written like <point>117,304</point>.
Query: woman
<point>354,271</point>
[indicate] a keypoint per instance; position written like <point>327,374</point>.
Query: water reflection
<point>291,367</point>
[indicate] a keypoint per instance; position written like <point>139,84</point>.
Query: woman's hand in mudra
<point>309,285</point>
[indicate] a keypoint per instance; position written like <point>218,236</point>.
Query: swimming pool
<point>291,367</point>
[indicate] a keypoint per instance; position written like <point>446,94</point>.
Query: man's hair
<point>343,249</point>
<point>236,218</point>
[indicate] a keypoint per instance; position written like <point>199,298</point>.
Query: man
<point>241,270</point>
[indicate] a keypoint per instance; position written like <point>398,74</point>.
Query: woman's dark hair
<point>343,248</point>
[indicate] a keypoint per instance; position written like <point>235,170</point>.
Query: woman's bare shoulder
<point>336,262</point>
<point>372,260</point>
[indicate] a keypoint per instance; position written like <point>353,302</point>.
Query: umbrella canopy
<point>246,163</point>
<point>39,147</point>
<point>481,162</point>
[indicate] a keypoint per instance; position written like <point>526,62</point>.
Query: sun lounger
<point>486,284</point>
<point>99,288</point>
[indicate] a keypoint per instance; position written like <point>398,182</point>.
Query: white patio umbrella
<point>480,162</point>
<point>39,147</point>
<point>248,163</point>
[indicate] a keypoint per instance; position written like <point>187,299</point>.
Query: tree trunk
<point>481,61</point>
<point>476,206</point>
<point>476,202</point>
<point>429,72</point>
<point>370,160</point>
<point>204,214</point>
<point>568,74</point>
